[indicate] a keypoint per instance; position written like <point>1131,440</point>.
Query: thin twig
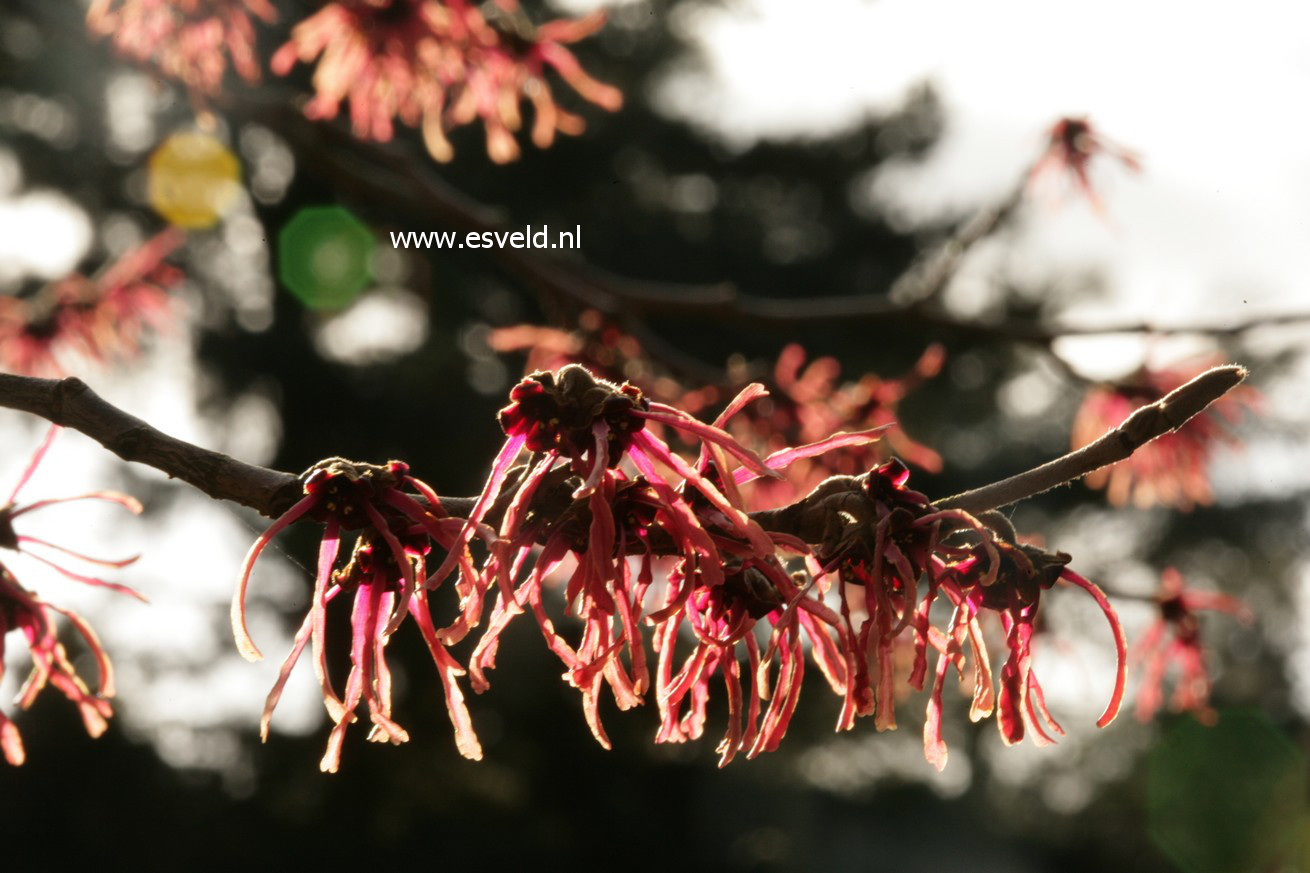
<point>924,282</point>
<point>1169,413</point>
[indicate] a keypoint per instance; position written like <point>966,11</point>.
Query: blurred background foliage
<point>407,372</point>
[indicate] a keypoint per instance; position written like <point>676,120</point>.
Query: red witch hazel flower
<point>439,64</point>
<point>597,344</point>
<point>1021,573</point>
<point>724,615</point>
<point>22,610</point>
<point>1072,145</point>
<point>381,576</point>
<point>1170,470</point>
<point>188,40</point>
<point>1175,639</point>
<point>889,539</point>
<point>98,318</point>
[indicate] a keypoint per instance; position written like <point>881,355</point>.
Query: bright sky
<point>1205,95</point>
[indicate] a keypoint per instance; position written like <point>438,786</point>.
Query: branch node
<point>67,390</point>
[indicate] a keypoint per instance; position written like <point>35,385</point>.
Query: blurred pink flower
<point>99,318</point>
<point>1072,145</point>
<point>21,609</point>
<point>188,40</point>
<point>1175,640</point>
<point>439,64</point>
<point>1172,469</point>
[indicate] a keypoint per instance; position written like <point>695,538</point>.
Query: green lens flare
<point>1226,798</point>
<point>325,257</point>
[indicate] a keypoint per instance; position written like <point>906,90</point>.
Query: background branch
<point>386,172</point>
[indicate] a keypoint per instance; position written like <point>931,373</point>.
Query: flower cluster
<point>1171,470</point>
<point>440,64</point>
<point>669,584</point>
<point>24,611</point>
<point>726,575</point>
<point>97,318</point>
<point>188,40</point>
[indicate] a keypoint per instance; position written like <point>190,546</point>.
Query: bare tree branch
<point>71,403</point>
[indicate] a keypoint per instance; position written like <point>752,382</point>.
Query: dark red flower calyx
<point>559,410</point>
<point>881,502</point>
<point>1024,572</point>
<point>746,588</point>
<point>344,488</point>
<point>887,485</point>
<point>373,561</point>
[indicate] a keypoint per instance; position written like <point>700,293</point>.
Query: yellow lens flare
<point>193,179</point>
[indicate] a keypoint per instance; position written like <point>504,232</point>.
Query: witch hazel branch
<point>633,535</point>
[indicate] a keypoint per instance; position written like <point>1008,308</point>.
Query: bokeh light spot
<point>325,256</point>
<point>193,179</point>
<point>1226,798</point>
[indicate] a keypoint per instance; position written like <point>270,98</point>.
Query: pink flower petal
<point>1120,644</point>
<point>81,557</point>
<point>466,740</point>
<point>499,470</point>
<point>34,462</point>
<point>676,418</point>
<point>245,644</point>
<point>784,458</point>
<point>124,500</point>
<point>753,533</point>
<point>327,556</point>
<point>284,673</point>
<point>89,580</point>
